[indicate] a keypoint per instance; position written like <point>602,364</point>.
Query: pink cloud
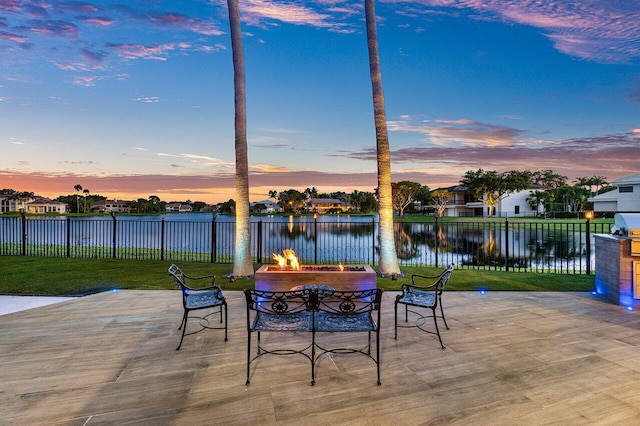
<point>463,132</point>
<point>13,37</point>
<point>179,20</point>
<point>139,51</point>
<point>100,21</point>
<point>598,30</point>
<point>53,28</point>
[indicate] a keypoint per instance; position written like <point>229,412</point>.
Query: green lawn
<point>47,276</point>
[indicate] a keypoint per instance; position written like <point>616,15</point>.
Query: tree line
<point>549,190</point>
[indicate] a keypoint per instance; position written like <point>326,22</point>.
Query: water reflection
<point>329,239</point>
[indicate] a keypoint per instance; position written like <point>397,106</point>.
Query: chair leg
<point>378,354</point>
<point>248,355</point>
<point>435,321</point>
<point>313,357</point>
<point>226,323</point>
<point>443,318</point>
<point>183,326</point>
<point>184,319</point>
<point>395,320</point>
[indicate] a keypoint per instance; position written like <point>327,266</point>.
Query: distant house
<point>109,206</point>
<point>45,205</point>
<point>270,206</point>
<point>324,205</point>
<point>178,208</point>
<point>12,205</point>
<point>464,203</point>
<point>625,198</point>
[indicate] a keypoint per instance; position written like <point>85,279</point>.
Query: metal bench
<point>312,310</point>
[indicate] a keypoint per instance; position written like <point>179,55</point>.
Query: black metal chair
<point>209,297</point>
<point>423,296</point>
<point>278,311</point>
<point>351,312</point>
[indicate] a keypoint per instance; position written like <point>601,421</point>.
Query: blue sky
<point>131,99</point>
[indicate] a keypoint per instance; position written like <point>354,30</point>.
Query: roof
<point>606,196</point>
<point>44,200</point>
<point>629,180</point>
<point>325,201</point>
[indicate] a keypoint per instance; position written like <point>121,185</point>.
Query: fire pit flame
<point>287,260</point>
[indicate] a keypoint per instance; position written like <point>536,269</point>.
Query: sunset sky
<point>132,99</point>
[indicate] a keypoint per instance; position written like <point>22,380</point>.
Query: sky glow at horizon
<point>136,99</point>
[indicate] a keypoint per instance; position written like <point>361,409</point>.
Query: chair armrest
<point>430,287</point>
<point>208,287</point>
<point>414,276</point>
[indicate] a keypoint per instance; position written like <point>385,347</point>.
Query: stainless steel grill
<point>628,225</point>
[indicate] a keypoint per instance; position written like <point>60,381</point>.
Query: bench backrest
<point>350,302</point>
<point>340,302</point>
<point>278,302</point>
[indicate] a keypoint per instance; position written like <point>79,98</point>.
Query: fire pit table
<point>338,277</point>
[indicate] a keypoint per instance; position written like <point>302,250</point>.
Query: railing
<point>539,246</point>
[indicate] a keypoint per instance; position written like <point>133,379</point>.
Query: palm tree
<point>85,192</point>
<point>78,188</point>
<point>388,263</point>
<point>242,264</point>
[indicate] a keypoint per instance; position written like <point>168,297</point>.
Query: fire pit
<point>289,274</point>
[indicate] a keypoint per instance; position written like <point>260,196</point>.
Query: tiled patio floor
<point>512,358</point>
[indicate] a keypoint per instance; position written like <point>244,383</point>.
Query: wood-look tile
<point>511,358</point>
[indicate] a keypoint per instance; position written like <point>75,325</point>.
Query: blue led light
<point>629,308</point>
<point>483,291</point>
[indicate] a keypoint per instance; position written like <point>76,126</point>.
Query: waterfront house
<point>178,208</point>
<point>326,205</point>
<point>625,198</point>
<point>269,206</point>
<point>464,203</point>
<point>8,204</point>
<point>45,205</point>
<point>110,206</point>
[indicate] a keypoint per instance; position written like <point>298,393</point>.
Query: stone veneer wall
<point>614,269</point>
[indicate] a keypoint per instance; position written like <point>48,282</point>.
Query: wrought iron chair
<point>349,311</point>
<point>273,311</point>
<point>209,297</point>
<point>423,296</point>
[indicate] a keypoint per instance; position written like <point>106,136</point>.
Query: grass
<point>48,276</point>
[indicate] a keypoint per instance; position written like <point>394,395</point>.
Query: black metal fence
<point>540,246</point>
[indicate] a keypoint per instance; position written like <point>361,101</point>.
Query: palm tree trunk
<point>388,263</point>
<point>242,263</point>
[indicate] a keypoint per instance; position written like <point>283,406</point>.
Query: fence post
<point>115,235</point>
<point>259,242</point>
<point>506,243</point>
<point>437,229</point>
<point>315,238</point>
<point>162,239</point>
<point>23,224</point>
<point>213,239</point>
<point>68,236</point>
